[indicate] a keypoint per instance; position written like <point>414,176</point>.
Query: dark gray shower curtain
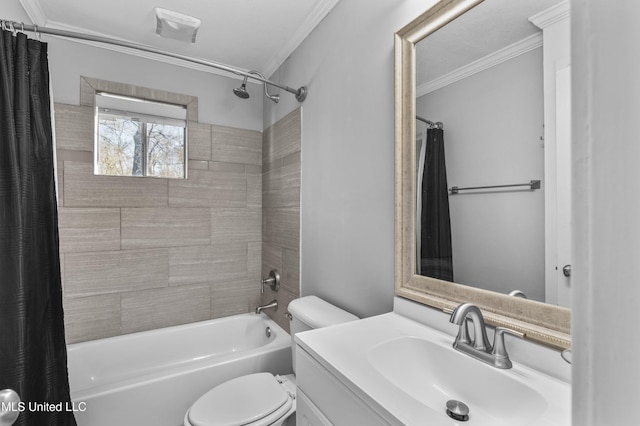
<point>436,258</point>
<point>33,357</point>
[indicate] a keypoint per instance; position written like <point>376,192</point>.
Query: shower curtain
<point>435,237</point>
<point>33,357</point>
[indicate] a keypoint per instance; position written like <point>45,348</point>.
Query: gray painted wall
<point>347,182</point>
<point>493,123</point>
<point>68,60</point>
<point>606,176</point>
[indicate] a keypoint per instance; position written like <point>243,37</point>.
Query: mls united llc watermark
<point>42,406</point>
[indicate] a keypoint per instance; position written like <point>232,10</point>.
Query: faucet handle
<point>499,350</point>
<point>503,330</point>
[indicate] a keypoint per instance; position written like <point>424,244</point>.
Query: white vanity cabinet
<point>324,400</point>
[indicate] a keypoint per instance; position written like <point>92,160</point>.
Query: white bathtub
<point>151,378</point>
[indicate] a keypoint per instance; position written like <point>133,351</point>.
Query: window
<point>137,137</point>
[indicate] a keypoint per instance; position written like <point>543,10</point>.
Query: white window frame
<point>146,111</point>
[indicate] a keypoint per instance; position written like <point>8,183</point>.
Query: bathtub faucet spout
<point>272,304</point>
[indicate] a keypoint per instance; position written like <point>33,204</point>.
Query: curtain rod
<point>431,124</point>
<point>300,93</point>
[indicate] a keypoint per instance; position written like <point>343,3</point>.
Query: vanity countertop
<point>349,352</point>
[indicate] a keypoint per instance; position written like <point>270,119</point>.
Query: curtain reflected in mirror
<point>433,236</point>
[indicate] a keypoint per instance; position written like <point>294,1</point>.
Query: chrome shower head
<point>241,91</point>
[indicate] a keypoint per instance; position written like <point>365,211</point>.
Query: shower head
<point>241,91</point>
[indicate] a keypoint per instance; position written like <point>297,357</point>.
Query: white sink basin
<point>406,372</point>
<point>434,374</point>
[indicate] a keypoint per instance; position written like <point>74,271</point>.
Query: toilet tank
<point>310,312</point>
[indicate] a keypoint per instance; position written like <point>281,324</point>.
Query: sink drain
<point>458,410</point>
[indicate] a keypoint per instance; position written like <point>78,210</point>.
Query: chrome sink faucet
<point>479,347</point>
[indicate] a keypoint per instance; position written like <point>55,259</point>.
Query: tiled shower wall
<point>144,253</point>
<point>281,211</point>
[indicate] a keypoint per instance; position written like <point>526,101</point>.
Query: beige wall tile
<point>281,226</point>
<point>281,211</point>
<point>290,186</point>
<point>254,263</point>
<point>91,85</point>
<point>90,318</point>
<point>60,182</point>
<point>150,309</point>
<point>272,188</point>
<point>88,274</point>
<point>235,300</point>
<point>83,189</point>
<point>271,258</point>
<point>283,138</point>
<point>113,87</point>
<point>236,145</point>
<point>74,127</point>
<point>114,281</point>
<point>62,274</point>
<point>192,110</point>
<point>164,96</point>
<point>83,230</point>
<point>254,186</point>
<point>76,156</point>
<point>87,92</point>
<point>206,188</point>
<point>236,226</point>
<point>165,227</point>
<point>207,264</point>
<point>198,165</point>
<point>292,159</point>
<point>251,169</point>
<point>199,141</point>
<point>281,187</point>
<point>291,270</point>
<point>217,166</point>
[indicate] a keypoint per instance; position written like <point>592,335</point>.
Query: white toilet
<point>263,399</point>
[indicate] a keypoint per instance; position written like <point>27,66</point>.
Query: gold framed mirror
<point>541,322</point>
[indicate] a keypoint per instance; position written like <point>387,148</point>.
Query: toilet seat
<point>254,399</point>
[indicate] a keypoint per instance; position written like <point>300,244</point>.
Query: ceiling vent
<point>176,26</point>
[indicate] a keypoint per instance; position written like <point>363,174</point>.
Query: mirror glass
<point>480,128</point>
<point>501,120</point>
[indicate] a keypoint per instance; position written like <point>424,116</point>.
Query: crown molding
<point>319,12</point>
<point>513,50</point>
<point>34,12</point>
<point>552,15</point>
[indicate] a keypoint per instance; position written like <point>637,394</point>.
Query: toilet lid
<point>240,401</point>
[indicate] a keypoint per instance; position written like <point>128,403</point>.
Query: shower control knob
<point>273,280</point>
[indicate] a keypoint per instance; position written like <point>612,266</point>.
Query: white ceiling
<point>261,34</point>
<point>485,29</point>
<point>245,34</point>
